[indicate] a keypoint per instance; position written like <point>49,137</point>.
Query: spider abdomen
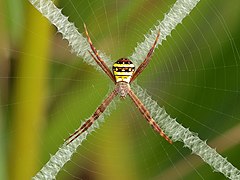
<point>123,70</point>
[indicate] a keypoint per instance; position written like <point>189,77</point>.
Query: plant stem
<point>29,93</point>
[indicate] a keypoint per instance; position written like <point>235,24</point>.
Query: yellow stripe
<point>123,78</point>
<point>123,65</point>
<point>123,73</point>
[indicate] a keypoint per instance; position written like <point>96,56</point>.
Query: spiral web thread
<point>175,16</point>
<point>190,139</point>
<point>77,42</point>
<point>64,153</point>
<point>172,128</point>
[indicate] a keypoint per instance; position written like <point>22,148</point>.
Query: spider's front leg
<point>94,117</point>
<point>147,115</point>
<point>146,60</point>
<point>98,59</point>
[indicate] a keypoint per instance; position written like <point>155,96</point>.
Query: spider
<point>123,75</point>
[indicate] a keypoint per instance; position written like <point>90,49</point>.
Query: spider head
<point>123,70</point>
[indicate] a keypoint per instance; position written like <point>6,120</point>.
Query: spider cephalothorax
<point>123,74</point>
<point>122,88</point>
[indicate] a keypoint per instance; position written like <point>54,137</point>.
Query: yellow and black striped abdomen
<point>123,70</point>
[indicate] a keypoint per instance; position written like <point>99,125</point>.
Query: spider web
<point>194,75</point>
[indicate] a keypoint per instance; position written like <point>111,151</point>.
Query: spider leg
<point>147,115</point>
<point>144,64</point>
<point>94,117</point>
<point>98,60</point>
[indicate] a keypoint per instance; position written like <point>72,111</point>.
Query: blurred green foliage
<point>194,75</point>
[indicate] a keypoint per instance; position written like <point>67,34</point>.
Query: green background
<point>46,91</point>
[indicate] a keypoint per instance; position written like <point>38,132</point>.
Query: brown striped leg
<point>146,60</point>
<point>98,60</point>
<point>147,115</point>
<point>94,117</point>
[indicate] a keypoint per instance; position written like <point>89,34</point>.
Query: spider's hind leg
<point>147,115</point>
<point>94,117</point>
<point>79,131</point>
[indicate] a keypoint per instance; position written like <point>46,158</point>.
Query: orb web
<point>194,75</point>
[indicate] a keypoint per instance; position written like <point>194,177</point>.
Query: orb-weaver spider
<point>123,74</point>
